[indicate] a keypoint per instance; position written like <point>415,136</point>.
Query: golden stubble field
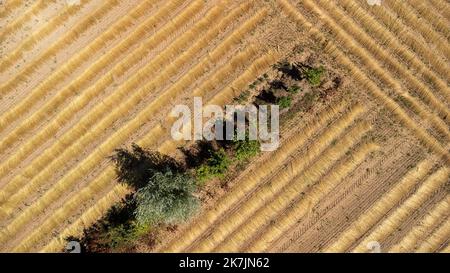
<point>368,167</point>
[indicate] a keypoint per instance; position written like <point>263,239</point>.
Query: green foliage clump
<point>246,149</point>
<point>216,166</point>
<point>284,102</point>
<point>167,198</point>
<point>124,235</point>
<point>314,75</point>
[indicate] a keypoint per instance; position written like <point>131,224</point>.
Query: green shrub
<point>314,75</point>
<point>284,102</point>
<point>167,198</point>
<point>246,149</point>
<point>216,166</point>
<point>125,234</point>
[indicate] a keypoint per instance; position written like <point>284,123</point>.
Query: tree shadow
<point>266,96</point>
<point>197,154</point>
<point>293,70</point>
<point>136,166</point>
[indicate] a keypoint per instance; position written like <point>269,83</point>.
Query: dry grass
<point>378,210</point>
<point>18,23</point>
<point>118,67</point>
<point>335,17</point>
<point>437,239</point>
<point>400,214</point>
<point>432,218</point>
<point>35,37</point>
<point>364,81</point>
<point>11,6</point>
<point>286,186</point>
<point>148,140</point>
<point>87,219</point>
<point>101,111</point>
<point>106,148</point>
<point>84,55</point>
<point>303,205</point>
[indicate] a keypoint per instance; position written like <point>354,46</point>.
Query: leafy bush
<point>167,198</point>
<point>246,149</point>
<point>216,166</point>
<point>284,102</point>
<point>314,75</point>
<point>125,234</point>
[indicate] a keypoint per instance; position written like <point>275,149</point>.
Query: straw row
<point>72,137</point>
<point>25,17</point>
<point>408,243</point>
<point>431,12</point>
<point>406,54</point>
<point>146,141</point>
<point>380,72</point>
<point>100,110</point>
<point>115,140</point>
<point>30,42</point>
<point>87,218</point>
<point>83,80</point>
<point>419,108</point>
<point>427,51</point>
<point>268,207</point>
<point>441,8</point>
<point>390,41</point>
<point>411,18</point>
<point>437,239</point>
<point>93,214</point>
<point>336,15</point>
<point>390,104</point>
<point>61,215</point>
<point>363,79</point>
<point>381,207</point>
<point>150,138</point>
<point>257,68</point>
<point>9,7</point>
<point>390,224</point>
<point>301,207</point>
<point>101,182</point>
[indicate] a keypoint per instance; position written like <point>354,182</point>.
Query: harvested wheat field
<point>363,163</point>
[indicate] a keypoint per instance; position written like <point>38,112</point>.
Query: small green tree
<point>167,198</point>
<point>284,102</point>
<point>246,149</point>
<point>216,166</point>
<point>314,75</point>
